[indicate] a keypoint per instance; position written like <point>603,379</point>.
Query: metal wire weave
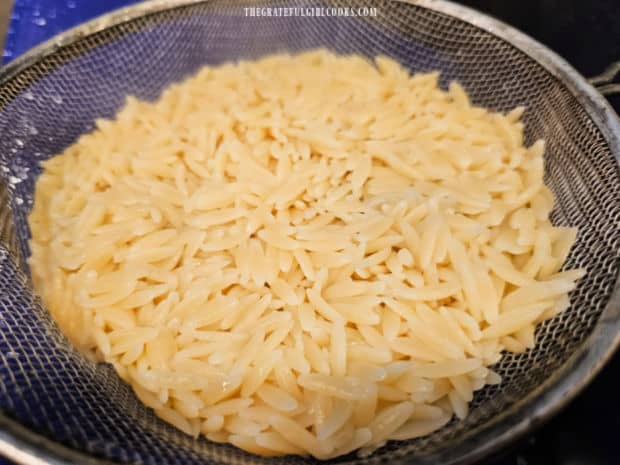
<point>50,388</point>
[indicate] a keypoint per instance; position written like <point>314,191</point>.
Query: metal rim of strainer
<point>30,448</point>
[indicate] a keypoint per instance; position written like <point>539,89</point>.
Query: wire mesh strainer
<point>57,407</point>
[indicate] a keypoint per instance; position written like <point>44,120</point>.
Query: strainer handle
<point>604,82</point>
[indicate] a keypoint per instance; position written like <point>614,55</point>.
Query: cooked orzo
<point>308,254</point>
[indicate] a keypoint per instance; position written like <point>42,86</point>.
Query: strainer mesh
<point>47,386</point>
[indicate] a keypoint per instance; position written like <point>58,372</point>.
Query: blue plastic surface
<point>34,21</point>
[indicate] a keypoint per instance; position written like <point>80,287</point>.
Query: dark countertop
<point>584,32</point>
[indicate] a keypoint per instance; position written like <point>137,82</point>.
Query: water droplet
<point>32,130</point>
<point>12,354</point>
<point>3,322</point>
<point>19,142</point>
<point>36,12</point>
<point>71,4</point>
<point>7,54</point>
<point>21,172</point>
<point>39,21</point>
<point>28,95</point>
<point>14,180</point>
<point>57,99</point>
<point>19,201</point>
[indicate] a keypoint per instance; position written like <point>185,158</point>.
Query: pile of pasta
<point>309,254</point>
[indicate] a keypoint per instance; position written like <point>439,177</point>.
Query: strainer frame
<point>30,448</point>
